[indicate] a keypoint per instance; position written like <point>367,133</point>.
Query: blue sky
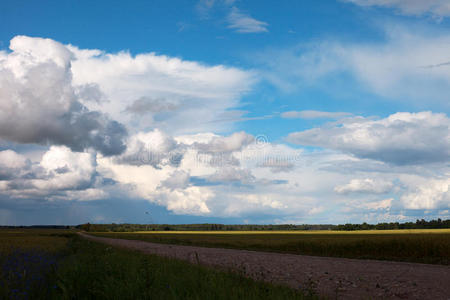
<point>224,111</point>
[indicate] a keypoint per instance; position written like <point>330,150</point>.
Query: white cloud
<point>11,160</point>
<point>244,23</point>
<point>262,200</point>
<point>229,174</point>
<point>380,205</point>
<point>65,169</point>
<point>437,8</point>
<point>191,200</point>
<point>219,144</point>
<point>366,185</point>
<point>203,173</point>
<point>401,138</point>
<point>314,114</point>
<point>12,165</point>
<point>153,148</point>
<point>237,20</point>
<point>406,65</point>
<point>167,186</point>
<point>60,175</point>
<point>248,186</point>
<point>164,92</point>
<point>39,103</point>
<point>429,194</point>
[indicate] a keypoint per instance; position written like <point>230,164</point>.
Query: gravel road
<point>336,278</point>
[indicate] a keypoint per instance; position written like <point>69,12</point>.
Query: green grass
<point>430,246</point>
<point>82,269</point>
<point>97,271</point>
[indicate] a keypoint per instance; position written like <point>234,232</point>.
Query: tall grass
<point>96,271</point>
<point>84,269</point>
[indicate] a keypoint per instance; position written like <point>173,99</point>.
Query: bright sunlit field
<point>418,245</point>
<point>326,232</point>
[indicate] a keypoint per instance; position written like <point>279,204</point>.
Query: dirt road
<point>336,278</point>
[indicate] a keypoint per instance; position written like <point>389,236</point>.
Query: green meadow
<point>414,245</point>
<point>58,264</point>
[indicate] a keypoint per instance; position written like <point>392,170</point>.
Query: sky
<point>224,111</point>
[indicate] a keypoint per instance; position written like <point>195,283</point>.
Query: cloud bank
<point>401,138</point>
<point>149,127</point>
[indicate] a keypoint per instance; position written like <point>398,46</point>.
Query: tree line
<point>419,224</point>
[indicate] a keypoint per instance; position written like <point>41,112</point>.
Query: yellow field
<point>399,231</point>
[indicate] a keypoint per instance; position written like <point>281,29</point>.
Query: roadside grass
<point>421,246</point>
<point>96,271</point>
<point>37,266</point>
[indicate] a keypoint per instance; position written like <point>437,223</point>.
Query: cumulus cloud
<point>209,165</point>
<point>430,194</point>
<point>401,138</point>
<point>192,200</point>
<point>314,114</point>
<point>69,94</point>
<point>151,87</point>
<point>243,23</point>
<point>219,144</point>
<point>436,8</point>
<point>60,174</point>
<point>366,185</point>
<point>12,164</point>
<point>39,104</point>
<point>153,148</point>
<point>248,187</point>
<point>65,170</point>
<point>179,196</point>
<point>177,179</point>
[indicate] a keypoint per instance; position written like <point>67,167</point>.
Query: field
<point>58,264</point>
<point>415,245</point>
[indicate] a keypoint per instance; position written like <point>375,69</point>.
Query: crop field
<point>48,240</point>
<point>58,264</point>
<point>415,245</point>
